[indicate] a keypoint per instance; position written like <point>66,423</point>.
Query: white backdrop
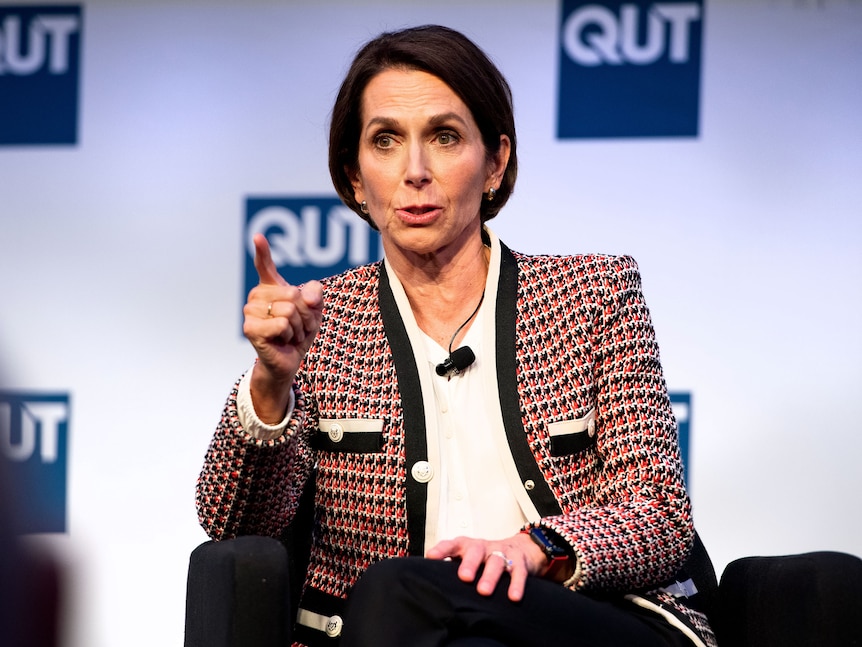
<point>121,258</point>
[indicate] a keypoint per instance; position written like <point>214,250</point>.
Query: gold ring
<point>269,309</point>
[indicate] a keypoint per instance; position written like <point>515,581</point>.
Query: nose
<point>417,173</point>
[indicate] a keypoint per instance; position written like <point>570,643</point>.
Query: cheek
<point>471,182</point>
<point>375,181</point>
<point>377,213</point>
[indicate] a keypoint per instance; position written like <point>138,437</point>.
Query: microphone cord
<point>479,305</point>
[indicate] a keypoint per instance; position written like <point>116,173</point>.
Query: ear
<point>356,182</point>
<point>497,164</point>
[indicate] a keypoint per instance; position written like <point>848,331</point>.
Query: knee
<point>386,576</point>
<point>403,582</point>
<point>400,601</point>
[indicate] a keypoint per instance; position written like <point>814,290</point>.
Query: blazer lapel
<point>412,411</point>
<point>531,476</point>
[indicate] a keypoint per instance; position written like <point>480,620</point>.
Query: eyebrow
<point>436,120</point>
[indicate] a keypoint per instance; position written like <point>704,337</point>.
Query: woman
<point>535,480</point>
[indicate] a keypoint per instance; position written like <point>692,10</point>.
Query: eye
<point>446,138</point>
<point>383,140</point>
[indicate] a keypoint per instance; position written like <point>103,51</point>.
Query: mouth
<point>419,214</point>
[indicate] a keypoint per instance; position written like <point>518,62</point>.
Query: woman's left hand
<point>518,555</point>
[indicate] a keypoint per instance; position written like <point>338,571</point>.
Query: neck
<point>443,296</point>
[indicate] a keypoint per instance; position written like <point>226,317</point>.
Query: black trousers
<point>422,603</point>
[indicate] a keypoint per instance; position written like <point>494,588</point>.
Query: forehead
<point>406,92</point>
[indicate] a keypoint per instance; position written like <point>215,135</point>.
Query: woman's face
<point>423,166</point>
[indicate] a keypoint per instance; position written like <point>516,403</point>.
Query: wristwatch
<point>558,558</point>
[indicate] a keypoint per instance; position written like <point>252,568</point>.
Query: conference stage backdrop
<point>142,143</point>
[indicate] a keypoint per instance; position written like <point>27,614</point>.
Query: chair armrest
<point>238,594</point>
<point>808,599</point>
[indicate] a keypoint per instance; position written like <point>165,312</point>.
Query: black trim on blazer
<point>357,443</point>
<point>571,443</point>
<point>507,383</point>
<point>413,411</point>
<point>324,604</point>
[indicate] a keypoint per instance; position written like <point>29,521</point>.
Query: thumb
<point>264,264</point>
<point>312,294</point>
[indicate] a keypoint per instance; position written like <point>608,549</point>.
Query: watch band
<point>560,561</point>
<point>551,550</point>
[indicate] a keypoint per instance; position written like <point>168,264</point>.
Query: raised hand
<point>280,321</point>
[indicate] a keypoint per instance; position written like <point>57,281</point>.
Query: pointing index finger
<point>264,264</point>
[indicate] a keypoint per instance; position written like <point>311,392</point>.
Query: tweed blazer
<point>574,343</point>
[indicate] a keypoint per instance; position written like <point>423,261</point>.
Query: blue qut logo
<point>629,69</point>
<point>310,237</point>
<point>34,445</point>
<point>40,52</point>
<point>681,404</point>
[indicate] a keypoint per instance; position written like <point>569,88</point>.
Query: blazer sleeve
<point>637,529</point>
<point>250,486</point>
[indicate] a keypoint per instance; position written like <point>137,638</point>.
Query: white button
<point>458,495</point>
<point>422,471</point>
<point>591,428</point>
<point>336,432</point>
<point>529,485</point>
<point>333,626</point>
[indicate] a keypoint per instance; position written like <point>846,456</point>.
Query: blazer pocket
<point>356,435</point>
<point>573,436</point>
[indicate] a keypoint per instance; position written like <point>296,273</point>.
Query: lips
<point>419,214</point>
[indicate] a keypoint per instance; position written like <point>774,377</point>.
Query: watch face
<point>551,550</point>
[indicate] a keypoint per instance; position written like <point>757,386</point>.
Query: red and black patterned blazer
<point>573,335</point>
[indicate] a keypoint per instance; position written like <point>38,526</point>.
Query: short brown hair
<point>454,59</point>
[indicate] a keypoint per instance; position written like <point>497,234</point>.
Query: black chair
<point>243,593</point>
<point>812,600</point>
